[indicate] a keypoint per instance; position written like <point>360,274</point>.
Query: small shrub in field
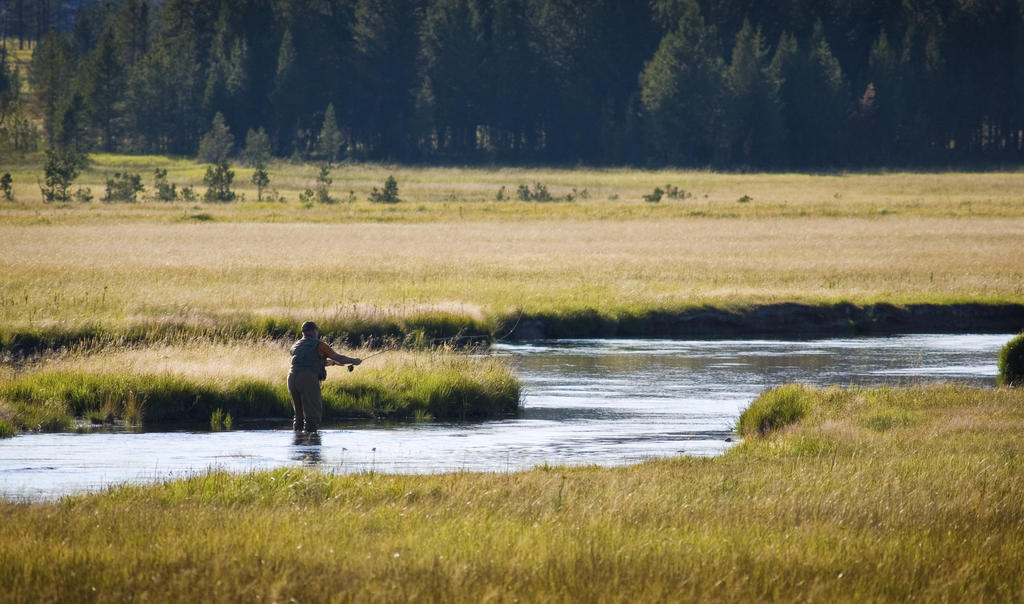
<point>671,191</point>
<point>261,179</point>
<point>165,191</point>
<point>388,195</point>
<point>584,194</point>
<point>539,193</point>
<point>1011,362</point>
<point>774,409</point>
<point>83,195</point>
<point>323,185</point>
<point>5,186</point>
<point>654,196</point>
<point>674,192</point>
<point>218,181</point>
<point>60,171</point>
<point>745,199</point>
<point>188,194</point>
<point>123,188</point>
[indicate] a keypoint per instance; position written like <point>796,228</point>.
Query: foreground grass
<point>178,384</point>
<point>882,495</point>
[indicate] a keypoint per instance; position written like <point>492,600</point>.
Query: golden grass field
<point>450,247</point>
<point>887,495</point>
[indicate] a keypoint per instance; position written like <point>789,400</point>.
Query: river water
<point>606,402</point>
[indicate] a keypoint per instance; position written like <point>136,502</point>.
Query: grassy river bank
<point>888,494</point>
<point>195,382</point>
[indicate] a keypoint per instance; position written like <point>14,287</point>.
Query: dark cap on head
<point>309,326</point>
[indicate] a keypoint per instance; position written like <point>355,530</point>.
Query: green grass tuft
<point>775,409</point>
<point>1011,362</point>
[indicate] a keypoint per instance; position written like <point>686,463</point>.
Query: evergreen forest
<point>728,84</point>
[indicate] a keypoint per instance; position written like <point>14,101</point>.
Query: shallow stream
<point>606,402</point>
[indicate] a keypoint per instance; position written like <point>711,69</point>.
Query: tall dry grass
<point>451,257</point>
<point>115,275</point>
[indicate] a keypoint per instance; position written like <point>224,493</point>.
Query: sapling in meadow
<point>389,194</point>
<point>60,171</point>
<point>165,191</point>
<point>5,186</point>
<point>323,184</point>
<point>123,188</point>
<point>218,181</point>
<point>261,179</point>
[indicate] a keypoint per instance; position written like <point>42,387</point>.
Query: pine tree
<point>884,137</point>
<point>131,32</point>
<point>287,92</point>
<point>100,78</point>
<point>218,180</point>
<point>385,45</point>
<point>257,147</point>
<point>164,101</point>
<point>72,133</point>
<point>681,91</point>
<point>60,170</point>
<point>329,142</point>
<point>50,76</point>
<point>450,95</point>
<point>217,144</point>
<point>754,118</point>
<point>8,90</point>
<point>261,179</point>
<point>815,101</point>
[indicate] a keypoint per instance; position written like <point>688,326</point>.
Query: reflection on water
<point>306,448</point>
<point>607,402</point>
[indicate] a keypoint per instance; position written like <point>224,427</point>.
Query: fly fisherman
<point>310,358</point>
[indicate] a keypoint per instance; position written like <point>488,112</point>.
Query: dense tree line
<point>727,83</point>
<point>23,21</point>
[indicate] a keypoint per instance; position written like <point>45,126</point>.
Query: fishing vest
<point>305,358</point>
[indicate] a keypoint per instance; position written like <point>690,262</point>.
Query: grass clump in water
<point>219,420</point>
<point>1011,362</point>
<point>775,409</point>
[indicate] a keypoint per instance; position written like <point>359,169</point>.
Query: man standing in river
<point>310,358</point>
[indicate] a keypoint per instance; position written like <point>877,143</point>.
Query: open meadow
<point>450,250</point>
<point>111,309</point>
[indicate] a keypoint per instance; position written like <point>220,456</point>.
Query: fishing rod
<point>352,367</point>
